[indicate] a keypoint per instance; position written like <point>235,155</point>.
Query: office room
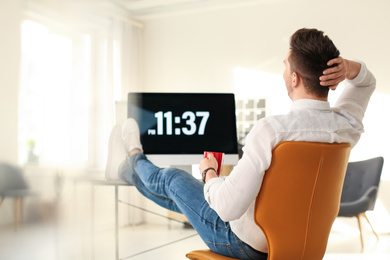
<point>67,67</point>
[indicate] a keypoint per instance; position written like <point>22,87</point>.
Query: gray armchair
<point>360,190</point>
<point>13,185</point>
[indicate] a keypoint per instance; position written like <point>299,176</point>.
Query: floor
<point>50,241</point>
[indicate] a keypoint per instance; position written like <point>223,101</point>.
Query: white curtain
<point>77,65</point>
<point>118,73</point>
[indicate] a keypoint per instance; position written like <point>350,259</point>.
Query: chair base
<point>18,205</point>
<point>207,255</point>
<point>359,216</point>
<point>18,208</point>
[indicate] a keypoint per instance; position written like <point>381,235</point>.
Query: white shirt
<point>309,120</point>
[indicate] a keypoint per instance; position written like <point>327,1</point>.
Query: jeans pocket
<point>222,249</point>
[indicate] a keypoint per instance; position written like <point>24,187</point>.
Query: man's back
<point>315,121</point>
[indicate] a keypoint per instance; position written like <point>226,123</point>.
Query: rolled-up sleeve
<point>357,93</point>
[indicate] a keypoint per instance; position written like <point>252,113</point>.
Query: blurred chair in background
<point>13,185</point>
<point>360,190</point>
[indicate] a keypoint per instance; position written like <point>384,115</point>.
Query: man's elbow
<point>229,215</point>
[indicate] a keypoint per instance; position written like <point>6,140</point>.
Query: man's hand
<point>345,69</point>
<point>333,76</point>
<point>208,162</point>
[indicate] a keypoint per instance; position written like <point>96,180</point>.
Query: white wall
<point>197,51</point>
<point>10,13</point>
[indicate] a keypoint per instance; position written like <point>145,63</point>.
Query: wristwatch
<point>205,171</point>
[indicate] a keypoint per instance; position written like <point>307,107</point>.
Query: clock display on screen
<point>167,126</point>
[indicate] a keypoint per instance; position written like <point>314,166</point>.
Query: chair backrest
<point>300,198</point>
<point>11,178</point>
<point>361,177</point>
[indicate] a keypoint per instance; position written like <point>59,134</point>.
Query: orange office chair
<point>298,201</point>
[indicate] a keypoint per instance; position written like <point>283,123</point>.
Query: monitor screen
<point>176,128</point>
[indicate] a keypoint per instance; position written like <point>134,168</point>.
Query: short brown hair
<point>311,49</point>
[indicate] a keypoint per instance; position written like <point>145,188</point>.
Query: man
<point>221,210</point>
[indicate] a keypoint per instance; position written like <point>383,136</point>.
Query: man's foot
<point>116,153</point>
<point>131,137</point>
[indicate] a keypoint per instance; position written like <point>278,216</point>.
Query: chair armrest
<point>364,203</point>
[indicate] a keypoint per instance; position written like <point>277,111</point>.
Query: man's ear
<point>295,79</point>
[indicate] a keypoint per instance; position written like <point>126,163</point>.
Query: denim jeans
<point>179,191</point>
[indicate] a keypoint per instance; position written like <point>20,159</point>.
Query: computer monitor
<point>176,128</point>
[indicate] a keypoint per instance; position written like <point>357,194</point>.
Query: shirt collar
<point>311,104</point>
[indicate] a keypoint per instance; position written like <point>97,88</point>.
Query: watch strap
<point>205,172</point>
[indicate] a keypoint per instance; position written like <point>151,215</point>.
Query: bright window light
<point>54,97</point>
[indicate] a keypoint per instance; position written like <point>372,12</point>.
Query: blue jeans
<point>179,191</point>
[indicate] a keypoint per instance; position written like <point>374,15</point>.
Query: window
<point>54,96</point>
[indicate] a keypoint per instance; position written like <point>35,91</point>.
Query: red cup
<point>218,157</point>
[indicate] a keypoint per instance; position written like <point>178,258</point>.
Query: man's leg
<point>176,190</point>
<point>126,173</point>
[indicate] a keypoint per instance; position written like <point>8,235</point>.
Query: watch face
<point>185,123</point>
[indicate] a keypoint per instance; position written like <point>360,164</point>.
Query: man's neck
<point>300,93</point>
